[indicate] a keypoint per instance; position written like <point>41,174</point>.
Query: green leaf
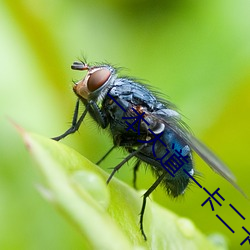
<point>107,215</point>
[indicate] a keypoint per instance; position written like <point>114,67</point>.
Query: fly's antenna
<point>80,66</point>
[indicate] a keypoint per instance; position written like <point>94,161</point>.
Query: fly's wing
<point>174,123</point>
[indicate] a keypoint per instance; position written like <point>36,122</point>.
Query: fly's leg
<point>145,196</point>
<point>97,114</point>
<point>124,161</point>
<point>105,155</point>
<point>75,124</point>
<point>91,107</point>
<point>135,169</point>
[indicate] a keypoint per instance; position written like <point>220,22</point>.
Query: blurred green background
<point>195,52</point>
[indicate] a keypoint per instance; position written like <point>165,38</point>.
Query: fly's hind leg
<point>145,196</point>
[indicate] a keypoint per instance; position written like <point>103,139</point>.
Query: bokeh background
<point>195,52</point>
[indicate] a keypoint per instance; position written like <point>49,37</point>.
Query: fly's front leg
<point>97,114</point>
<point>75,123</point>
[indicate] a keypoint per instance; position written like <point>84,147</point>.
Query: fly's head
<point>93,84</point>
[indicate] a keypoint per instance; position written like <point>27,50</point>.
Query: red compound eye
<point>97,79</point>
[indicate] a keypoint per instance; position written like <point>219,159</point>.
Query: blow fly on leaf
<point>148,127</point>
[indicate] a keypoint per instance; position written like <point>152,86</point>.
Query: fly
<point>148,127</point>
